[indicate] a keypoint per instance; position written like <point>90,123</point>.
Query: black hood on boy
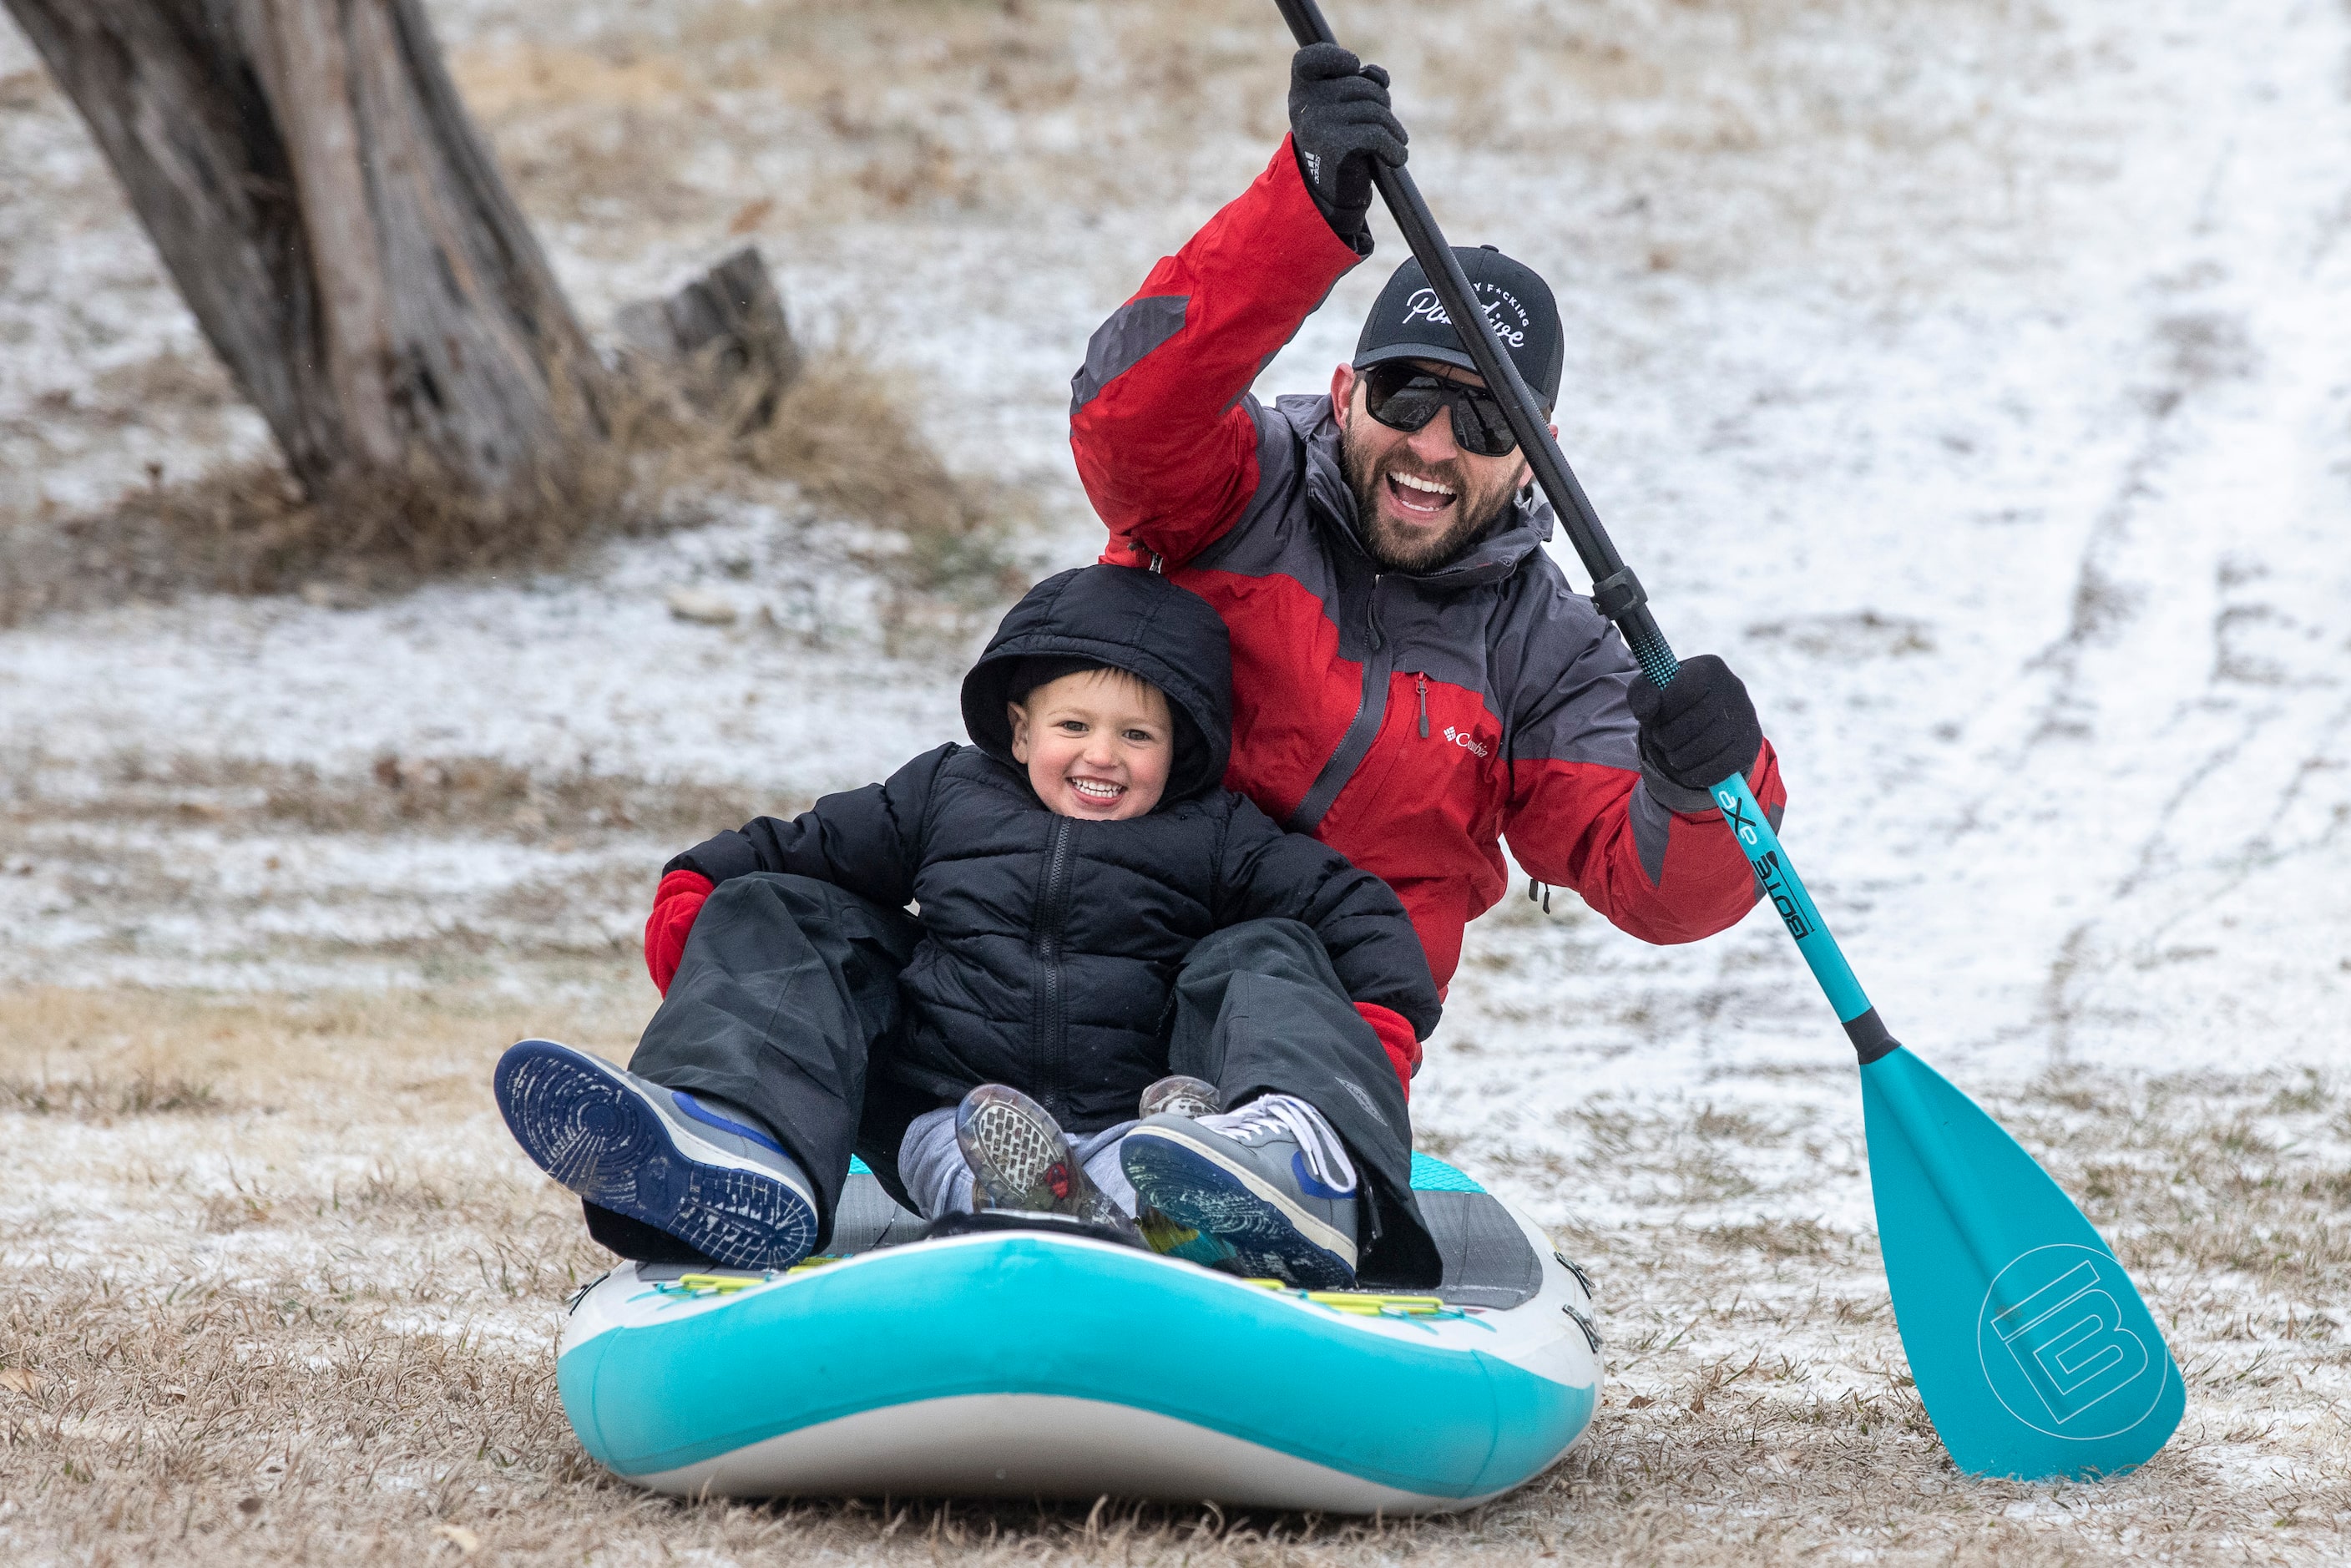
<point>1117,617</point>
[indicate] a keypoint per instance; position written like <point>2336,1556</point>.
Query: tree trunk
<point>341,232</point>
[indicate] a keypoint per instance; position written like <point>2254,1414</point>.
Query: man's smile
<point>1418,498</point>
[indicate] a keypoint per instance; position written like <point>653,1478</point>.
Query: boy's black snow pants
<point>785,1006</point>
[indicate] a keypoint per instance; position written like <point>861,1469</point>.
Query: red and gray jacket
<point>1410,720</point>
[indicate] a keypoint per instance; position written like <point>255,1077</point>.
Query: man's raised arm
<point>1159,415</point>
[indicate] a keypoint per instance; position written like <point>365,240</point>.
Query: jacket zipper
<point>1421,681</point>
<point>1053,922</point>
<point>1371,711</point>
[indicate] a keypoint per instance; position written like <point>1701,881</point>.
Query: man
<point>1414,680</point>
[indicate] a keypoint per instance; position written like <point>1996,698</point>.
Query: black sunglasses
<point>1403,397</point>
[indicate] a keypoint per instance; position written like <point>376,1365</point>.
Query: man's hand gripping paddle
<point>2032,1351</point>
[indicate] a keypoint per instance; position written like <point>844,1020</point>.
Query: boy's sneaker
<point>657,1156</point>
<point>1020,1159</point>
<point>1269,1184</point>
<point>1179,1094</point>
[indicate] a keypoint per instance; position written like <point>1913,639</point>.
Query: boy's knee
<point>765,912</point>
<point>767,897</point>
<point>768,888</point>
<point>1258,948</point>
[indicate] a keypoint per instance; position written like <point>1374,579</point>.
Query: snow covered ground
<point>1976,379</point>
<point>1979,389</point>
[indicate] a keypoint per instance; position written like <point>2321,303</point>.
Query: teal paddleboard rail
<point>1037,1316</point>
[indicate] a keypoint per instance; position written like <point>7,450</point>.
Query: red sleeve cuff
<point>1396,1038</point>
<point>1289,180</point>
<point>676,902</point>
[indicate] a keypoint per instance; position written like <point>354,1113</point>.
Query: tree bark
<point>723,339</point>
<point>340,230</point>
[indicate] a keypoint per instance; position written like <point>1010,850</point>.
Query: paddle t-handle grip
<point>1617,593</point>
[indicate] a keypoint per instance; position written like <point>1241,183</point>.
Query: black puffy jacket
<point>1050,943</point>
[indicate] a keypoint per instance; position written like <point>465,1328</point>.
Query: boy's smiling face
<point>1098,744</point>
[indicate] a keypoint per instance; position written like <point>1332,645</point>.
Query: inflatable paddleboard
<point>1036,1363</point>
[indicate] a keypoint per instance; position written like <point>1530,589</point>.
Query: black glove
<point>1695,733</point>
<point>1340,121</point>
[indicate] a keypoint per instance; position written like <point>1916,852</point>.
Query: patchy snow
<point>1990,413</point>
<point>1976,378</point>
<point>592,671</point>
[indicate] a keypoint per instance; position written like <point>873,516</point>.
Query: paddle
<point>2031,1350</point>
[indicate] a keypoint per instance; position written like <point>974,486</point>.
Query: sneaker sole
<point>1179,1095</point>
<point>1196,1187</point>
<point>1169,1239</point>
<point>1010,1153</point>
<point>584,1125</point>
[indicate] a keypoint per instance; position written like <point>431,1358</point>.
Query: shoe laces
<point>1326,1157</point>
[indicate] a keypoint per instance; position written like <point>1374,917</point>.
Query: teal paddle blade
<point>2034,1353</point>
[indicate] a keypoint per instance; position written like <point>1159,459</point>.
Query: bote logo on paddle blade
<point>2063,1353</point>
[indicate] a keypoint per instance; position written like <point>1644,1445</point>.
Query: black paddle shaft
<point>1616,592</point>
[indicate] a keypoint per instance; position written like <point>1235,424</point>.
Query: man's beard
<point>1387,541</point>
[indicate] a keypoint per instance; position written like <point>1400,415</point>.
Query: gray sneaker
<point>658,1155</point>
<point>1021,1160</point>
<point>1269,1186</point>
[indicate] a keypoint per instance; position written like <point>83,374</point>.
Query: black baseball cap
<point>1407,322</point>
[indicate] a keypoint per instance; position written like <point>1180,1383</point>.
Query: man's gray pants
<point>785,1006</point>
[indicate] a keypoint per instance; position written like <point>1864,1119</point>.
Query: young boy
<point>1095,914</point>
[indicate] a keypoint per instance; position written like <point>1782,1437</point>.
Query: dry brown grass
<point>477,794</point>
<point>905,107</point>
<point>248,527</point>
<point>843,436</point>
<point>281,1292</point>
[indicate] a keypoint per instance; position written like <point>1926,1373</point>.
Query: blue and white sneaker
<point>1271,1185</point>
<point>657,1156</point>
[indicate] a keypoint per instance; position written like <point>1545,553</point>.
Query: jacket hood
<point>1129,619</point>
<point>1518,533</point>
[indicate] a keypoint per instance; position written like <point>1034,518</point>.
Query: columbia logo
<point>1467,742</point>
